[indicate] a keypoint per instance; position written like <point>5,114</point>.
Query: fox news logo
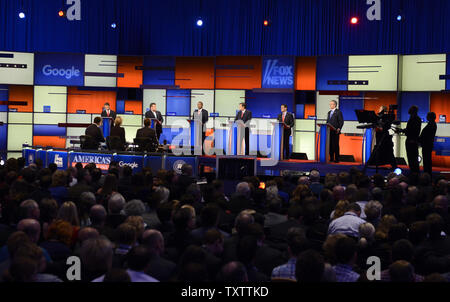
<point>277,74</point>
<point>58,161</point>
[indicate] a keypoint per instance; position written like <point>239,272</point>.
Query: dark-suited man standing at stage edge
<point>107,112</point>
<point>288,121</point>
<point>245,116</point>
<point>201,115</point>
<point>154,114</point>
<point>426,140</point>
<point>95,132</point>
<point>412,132</point>
<point>335,119</point>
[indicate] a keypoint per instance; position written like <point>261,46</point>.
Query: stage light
<point>419,159</point>
<point>354,20</point>
<point>398,171</point>
<point>199,22</point>
<point>2,162</point>
<point>21,15</point>
<point>399,18</point>
<point>113,25</point>
<point>61,13</point>
<point>266,23</point>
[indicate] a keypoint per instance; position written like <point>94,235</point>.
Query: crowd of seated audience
<point>163,226</point>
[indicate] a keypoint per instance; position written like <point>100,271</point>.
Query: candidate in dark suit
<point>288,121</point>
<point>95,132</point>
<point>245,116</point>
<point>201,115</point>
<point>118,131</point>
<point>335,119</point>
<point>412,132</point>
<point>426,140</point>
<point>154,114</point>
<point>107,112</point>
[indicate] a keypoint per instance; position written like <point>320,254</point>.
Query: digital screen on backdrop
<point>59,69</point>
<point>264,104</point>
<point>16,68</point>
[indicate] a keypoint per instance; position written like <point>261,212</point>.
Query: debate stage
<point>202,165</point>
<point>295,166</point>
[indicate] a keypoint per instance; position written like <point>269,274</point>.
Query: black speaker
<point>295,155</point>
<point>347,158</point>
<point>235,167</point>
<point>400,161</point>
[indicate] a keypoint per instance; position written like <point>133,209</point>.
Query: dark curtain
<point>231,27</point>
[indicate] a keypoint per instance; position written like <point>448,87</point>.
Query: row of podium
<point>231,139</point>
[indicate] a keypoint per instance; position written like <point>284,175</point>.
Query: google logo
<point>47,70</point>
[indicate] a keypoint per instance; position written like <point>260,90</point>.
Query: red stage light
<point>61,13</point>
<point>354,20</point>
<point>266,23</point>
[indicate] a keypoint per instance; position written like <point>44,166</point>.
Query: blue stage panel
<point>48,130</point>
<point>4,96</point>
<point>420,99</point>
<point>332,69</point>
<point>178,102</point>
<point>159,70</point>
<point>348,105</point>
<point>264,104</point>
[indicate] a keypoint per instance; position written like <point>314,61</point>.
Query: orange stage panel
<point>135,106</point>
<point>351,145</point>
<point>53,141</point>
<point>440,104</point>
<point>21,94</point>
<point>132,77</point>
<point>238,72</point>
<point>310,109</point>
<point>194,73</point>
<point>91,101</point>
<point>373,100</point>
<point>305,73</point>
<point>438,160</point>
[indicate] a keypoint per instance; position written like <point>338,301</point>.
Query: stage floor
<point>307,165</point>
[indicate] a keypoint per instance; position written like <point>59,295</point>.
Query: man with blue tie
<point>335,119</point>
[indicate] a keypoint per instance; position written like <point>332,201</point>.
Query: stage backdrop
<point>230,27</point>
<point>45,89</point>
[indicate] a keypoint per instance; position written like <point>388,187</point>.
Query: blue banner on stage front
<point>278,72</point>
<point>59,158</point>
<point>102,161</point>
<point>29,155</point>
<point>136,162</point>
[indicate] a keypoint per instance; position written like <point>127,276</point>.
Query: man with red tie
<point>245,116</point>
<point>287,119</point>
<point>107,112</point>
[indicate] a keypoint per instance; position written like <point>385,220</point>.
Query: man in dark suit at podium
<point>245,116</point>
<point>154,114</point>
<point>335,119</point>
<point>201,115</point>
<point>107,112</point>
<point>95,132</point>
<point>287,119</point>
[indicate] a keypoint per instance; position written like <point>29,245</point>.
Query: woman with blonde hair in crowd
<point>68,212</point>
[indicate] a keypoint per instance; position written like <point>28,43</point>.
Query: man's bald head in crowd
<point>31,227</point>
<point>339,193</point>
<point>97,214</point>
<point>154,240</point>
